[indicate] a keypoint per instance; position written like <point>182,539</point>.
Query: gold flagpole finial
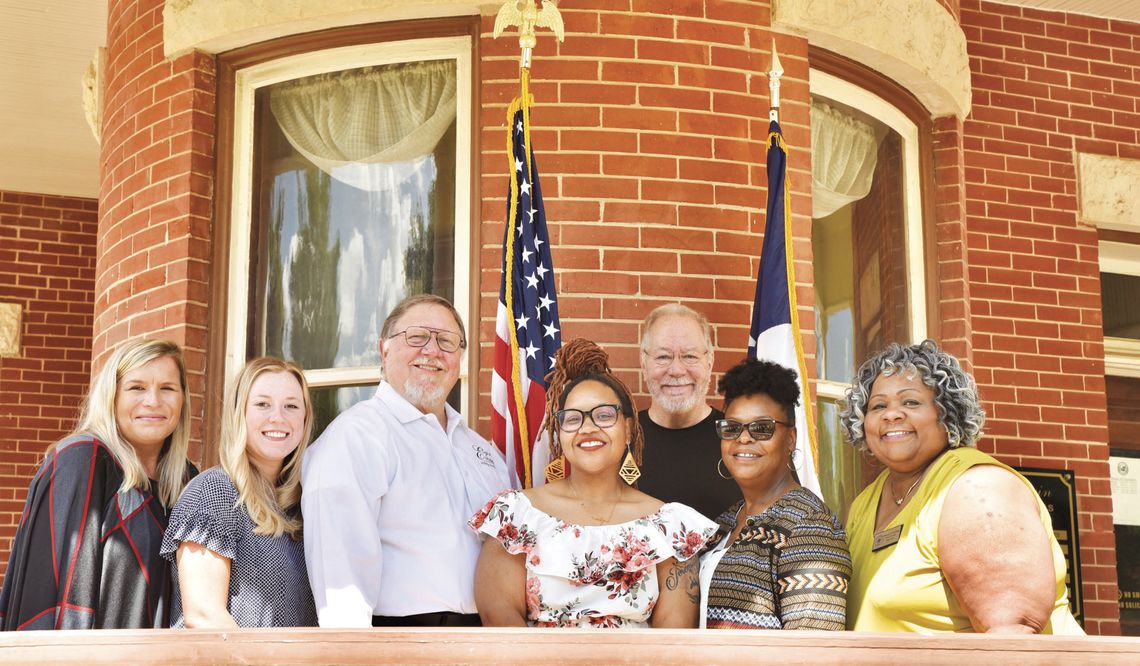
<point>527,16</point>
<point>774,75</point>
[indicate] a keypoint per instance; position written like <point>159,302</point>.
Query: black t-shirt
<point>679,465</point>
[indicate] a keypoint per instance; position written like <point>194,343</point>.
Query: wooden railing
<point>551,646</point>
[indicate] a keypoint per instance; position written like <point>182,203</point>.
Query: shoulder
<point>683,516</point>
<point>214,482</point>
<point>983,484</point>
<point>78,458</point>
<point>360,430</point>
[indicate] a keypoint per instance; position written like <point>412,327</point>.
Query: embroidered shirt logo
<point>483,455</point>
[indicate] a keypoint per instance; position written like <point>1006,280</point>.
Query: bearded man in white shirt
<point>390,484</point>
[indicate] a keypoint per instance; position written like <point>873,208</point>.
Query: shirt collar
<point>405,412</point>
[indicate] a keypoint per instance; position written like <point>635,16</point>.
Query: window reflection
<point>1119,295</point>
<point>860,258</point>
<point>355,177</point>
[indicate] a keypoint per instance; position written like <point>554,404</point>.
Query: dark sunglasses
<point>760,429</point>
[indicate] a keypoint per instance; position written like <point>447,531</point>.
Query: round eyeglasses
<point>663,359</point>
<point>571,420</point>
<point>760,429</point>
<point>420,336</point>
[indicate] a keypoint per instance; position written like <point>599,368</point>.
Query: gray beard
<point>426,397</point>
<point>672,405</point>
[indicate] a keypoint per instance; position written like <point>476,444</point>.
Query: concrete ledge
<point>215,26</point>
<point>548,646</point>
<point>916,43</point>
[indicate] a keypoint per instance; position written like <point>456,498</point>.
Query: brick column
<point>156,184</point>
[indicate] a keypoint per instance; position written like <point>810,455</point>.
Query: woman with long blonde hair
<point>235,534</point>
<point>86,554</point>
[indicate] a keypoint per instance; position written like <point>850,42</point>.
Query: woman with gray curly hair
<point>946,538</point>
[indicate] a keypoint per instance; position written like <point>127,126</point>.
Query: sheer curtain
<point>844,151</point>
<point>383,114</point>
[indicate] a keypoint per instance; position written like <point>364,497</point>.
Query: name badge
<point>886,538</point>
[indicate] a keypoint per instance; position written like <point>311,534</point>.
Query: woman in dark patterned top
<point>235,534</point>
<point>783,562</point>
<point>86,554</point>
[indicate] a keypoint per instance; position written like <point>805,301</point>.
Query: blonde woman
<point>235,534</point>
<point>86,554</point>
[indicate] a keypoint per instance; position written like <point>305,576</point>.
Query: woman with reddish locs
<point>588,549</point>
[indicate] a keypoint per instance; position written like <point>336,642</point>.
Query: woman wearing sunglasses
<point>587,549</point>
<point>783,562</point>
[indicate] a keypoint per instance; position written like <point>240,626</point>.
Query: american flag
<point>775,334</point>
<point>527,331</point>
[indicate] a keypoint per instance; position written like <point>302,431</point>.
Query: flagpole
<point>526,15</point>
<point>774,75</point>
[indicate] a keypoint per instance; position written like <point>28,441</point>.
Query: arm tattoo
<point>685,575</point>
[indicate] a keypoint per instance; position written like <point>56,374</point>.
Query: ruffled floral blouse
<point>592,575</point>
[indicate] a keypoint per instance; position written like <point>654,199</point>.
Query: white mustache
<point>433,363</point>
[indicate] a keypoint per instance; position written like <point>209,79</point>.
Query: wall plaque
<point>1057,489</point>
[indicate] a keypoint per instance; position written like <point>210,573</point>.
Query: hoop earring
<point>721,474</point>
<point>555,470</point>
<point>792,461</point>
<point>629,471</point>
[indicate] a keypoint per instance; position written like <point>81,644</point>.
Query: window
<point>351,169</point>
<point>1120,290</point>
<point>867,241</point>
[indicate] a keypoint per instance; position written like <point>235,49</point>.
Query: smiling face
<point>422,375</point>
<point>274,421</point>
<point>762,464</point>
<point>148,403</point>
<point>592,449</point>
<point>676,386</point>
<point>901,425</point>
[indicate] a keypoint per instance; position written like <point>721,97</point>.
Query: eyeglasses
<point>760,429</point>
<point>665,359</point>
<point>420,336</point>
<point>603,416</point>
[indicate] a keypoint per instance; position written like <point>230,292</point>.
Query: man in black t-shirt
<point>681,446</point>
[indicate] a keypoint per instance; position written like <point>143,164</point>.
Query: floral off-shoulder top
<point>592,575</point>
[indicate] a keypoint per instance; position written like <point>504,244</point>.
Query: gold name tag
<point>886,538</point>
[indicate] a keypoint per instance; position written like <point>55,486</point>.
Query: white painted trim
<point>1122,357</point>
<point>830,390</point>
<point>1119,258</point>
<point>832,87</point>
<point>246,83</point>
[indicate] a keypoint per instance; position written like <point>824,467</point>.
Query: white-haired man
<point>391,483</point>
<point>682,449</point>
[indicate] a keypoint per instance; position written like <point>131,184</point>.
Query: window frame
<point>229,290</point>
<point>833,87</point>
<point>1121,355</point>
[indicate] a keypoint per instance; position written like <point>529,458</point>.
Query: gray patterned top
<point>269,586</point>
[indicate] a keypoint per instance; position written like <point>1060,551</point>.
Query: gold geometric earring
<point>556,470</point>
<point>629,471</point>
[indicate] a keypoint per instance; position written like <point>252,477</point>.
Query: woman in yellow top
<point>946,538</point>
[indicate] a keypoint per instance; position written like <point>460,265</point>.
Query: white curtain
<point>844,151</point>
<point>390,113</point>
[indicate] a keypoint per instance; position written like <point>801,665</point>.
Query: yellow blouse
<point>901,587</point>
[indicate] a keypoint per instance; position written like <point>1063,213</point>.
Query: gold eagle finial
<point>527,16</point>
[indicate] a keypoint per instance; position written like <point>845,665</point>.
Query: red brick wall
<point>650,132</point>
<point>156,187</point>
<point>1045,85</point>
<point>47,265</point>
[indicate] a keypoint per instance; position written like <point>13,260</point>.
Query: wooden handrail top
<point>551,646</point>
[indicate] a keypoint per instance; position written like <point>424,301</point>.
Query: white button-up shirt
<point>387,493</point>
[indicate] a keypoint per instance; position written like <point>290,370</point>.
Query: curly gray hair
<point>955,393</point>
